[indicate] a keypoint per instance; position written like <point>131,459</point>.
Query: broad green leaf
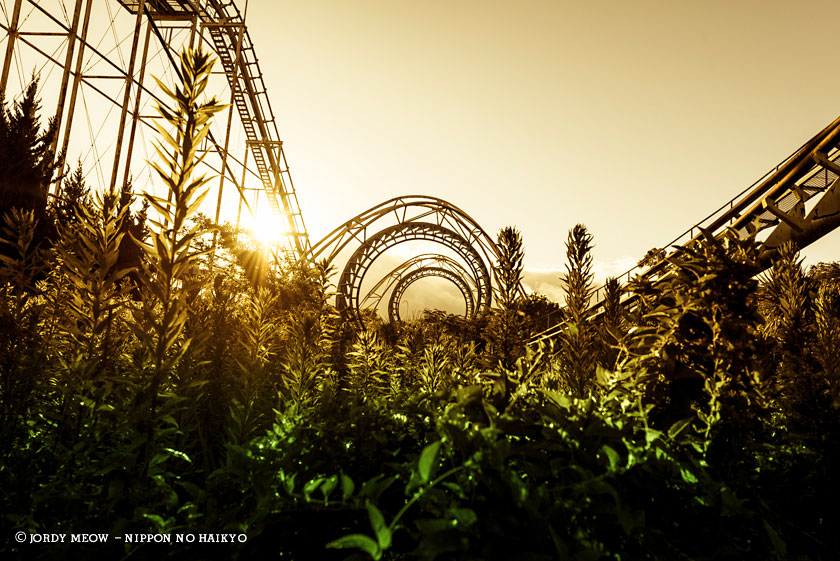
<point>157,459</point>
<point>157,519</point>
<point>464,516</point>
<point>328,486</point>
<point>347,487</point>
<point>310,487</point>
<point>687,476</point>
<point>358,541</point>
<point>678,427</point>
<point>289,482</point>
<point>778,543</point>
<point>428,461</point>
<point>612,457</point>
<point>377,522</point>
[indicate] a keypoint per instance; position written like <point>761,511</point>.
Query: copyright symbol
<point>20,537</point>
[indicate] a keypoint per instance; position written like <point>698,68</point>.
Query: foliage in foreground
<point>218,395</point>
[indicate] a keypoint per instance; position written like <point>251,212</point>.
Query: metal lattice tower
<point>95,66</point>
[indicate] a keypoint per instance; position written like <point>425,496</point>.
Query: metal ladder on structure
<point>232,44</point>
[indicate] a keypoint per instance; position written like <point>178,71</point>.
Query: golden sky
<point>634,118</point>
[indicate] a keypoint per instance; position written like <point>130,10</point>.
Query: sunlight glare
<point>267,226</point>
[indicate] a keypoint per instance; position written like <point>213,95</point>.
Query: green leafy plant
<point>827,324</point>
<point>168,270</point>
<point>369,363</point>
<point>22,263</point>
<point>241,402</point>
<point>420,483</point>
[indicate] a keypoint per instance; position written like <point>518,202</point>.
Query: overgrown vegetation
<point>170,393</point>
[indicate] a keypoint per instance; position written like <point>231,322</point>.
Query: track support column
<point>129,78</point>
<point>65,77</point>
<point>10,46</point>
<point>77,80</point>
<point>136,115</point>
<point>234,85</point>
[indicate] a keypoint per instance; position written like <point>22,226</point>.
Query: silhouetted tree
<point>826,274</point>
<point>827,340</point>
<point>134,226</point>
<point>652,257</point>
<point>27,160</point>
<point>788,311</point>
<point>70,195</point>
<point>537,313</point>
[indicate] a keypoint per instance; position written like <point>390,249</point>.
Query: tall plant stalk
<point>170,259</point>
<point>506,327</point>
<point>578,341</point>
<point>613,325</point>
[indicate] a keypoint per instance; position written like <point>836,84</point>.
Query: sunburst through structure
<point>97,62</point>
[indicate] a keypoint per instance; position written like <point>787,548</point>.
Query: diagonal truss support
<point>217,23</point>
<point>229,38</point>
<point>797,201</point>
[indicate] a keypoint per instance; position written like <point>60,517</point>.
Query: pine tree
<point>136,228</point>
<point>70,196</point>
<point>27,160</point>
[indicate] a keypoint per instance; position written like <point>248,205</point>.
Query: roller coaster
<point>104,58</point>
<point>405,219</point>
<point>797,201</point>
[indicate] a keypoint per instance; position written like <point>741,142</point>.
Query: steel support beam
<point>234,83</point>
<point>135,116</point>
<point>10,46</point>
<point>129,79</point>
<point>65,75</point>
<point>77,80</point>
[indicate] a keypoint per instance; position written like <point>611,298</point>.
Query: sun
<point>267,227</point>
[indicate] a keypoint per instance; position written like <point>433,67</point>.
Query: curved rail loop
<point>428,261</point>
<point>403,219</point>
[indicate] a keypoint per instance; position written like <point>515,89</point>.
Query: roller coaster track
<point>87,41</point>
<point>420,266</point>
<point>406,219</point>
<point>233,45</point>
<point>798,201</point>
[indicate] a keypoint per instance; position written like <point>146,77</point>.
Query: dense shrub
<point>216,393</point>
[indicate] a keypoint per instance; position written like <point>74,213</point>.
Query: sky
<point>636,119</point>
